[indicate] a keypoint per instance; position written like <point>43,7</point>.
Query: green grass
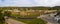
<point>33,21</point>
<point>1,22</point>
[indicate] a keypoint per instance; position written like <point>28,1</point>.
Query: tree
<point>1,17</point>
<point>7,13</point>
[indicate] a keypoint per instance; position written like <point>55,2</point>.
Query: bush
<point>1,17</point>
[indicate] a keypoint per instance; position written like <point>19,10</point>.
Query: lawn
<point>33,21</point>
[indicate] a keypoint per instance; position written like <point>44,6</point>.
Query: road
<point>12,21</point>
<point>48,18</point>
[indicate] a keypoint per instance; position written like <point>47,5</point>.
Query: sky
<point>28,3</point>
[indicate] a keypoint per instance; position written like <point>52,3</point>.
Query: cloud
<point>47,2</point>
<point>29,2</point>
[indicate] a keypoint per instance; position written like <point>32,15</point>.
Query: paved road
<point>48,18</point>
<point>12,21</point>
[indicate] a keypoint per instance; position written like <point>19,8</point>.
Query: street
<point>49,18</point>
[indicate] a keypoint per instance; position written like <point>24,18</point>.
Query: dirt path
<point>12,21</point>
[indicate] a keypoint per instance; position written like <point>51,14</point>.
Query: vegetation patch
<point>33,21</point>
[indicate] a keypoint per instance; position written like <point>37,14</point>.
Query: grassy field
<point>33,21</point>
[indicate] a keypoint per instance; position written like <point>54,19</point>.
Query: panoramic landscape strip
<point>28,15</point>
